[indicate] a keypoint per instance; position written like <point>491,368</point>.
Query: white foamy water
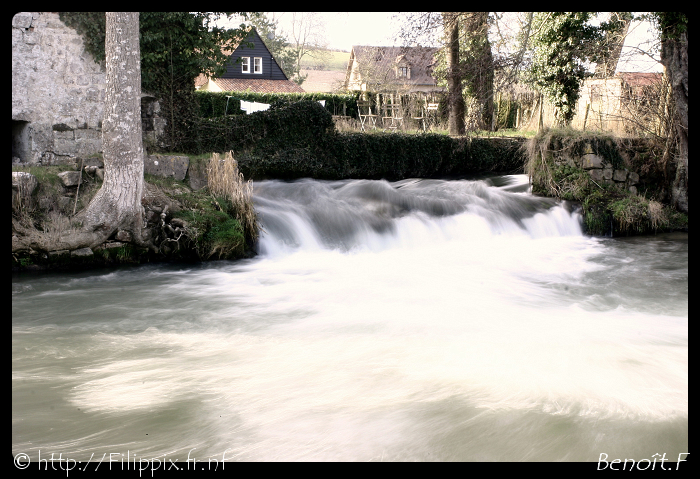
<point>418,320</point>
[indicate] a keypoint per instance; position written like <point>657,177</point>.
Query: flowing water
<point>415,320</point>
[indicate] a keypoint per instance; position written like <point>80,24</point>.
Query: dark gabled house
<point>250,69</point>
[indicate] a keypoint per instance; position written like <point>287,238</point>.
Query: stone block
<point>88,134</point>
<point>31,38</point>
<point>596,175</point>
<point>64,135</point>
<point>633,177</point>
<point>608,173</point>
<point>633,189</point>
<point>69,178</point>
<point>198,175</point>
<point>123,235</point>
<point>65,147</point>
<point>22,20</point>
<point>81,253</point>
<point>591,161</point>
<point>620,175</point>
<point>167,166</point>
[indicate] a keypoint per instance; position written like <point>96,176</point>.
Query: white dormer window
<point>257,66</point>
<point>245,64</point>
<point>403,72</point>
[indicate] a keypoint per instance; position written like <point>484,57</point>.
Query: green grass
<point>334,61</point>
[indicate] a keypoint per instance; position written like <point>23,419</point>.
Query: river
<point>421,320</point>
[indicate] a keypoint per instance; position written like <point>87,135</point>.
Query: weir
<point>417,320</point>
<point>365,214</point>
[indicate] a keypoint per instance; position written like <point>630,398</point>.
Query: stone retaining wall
<point>58,93</point>
<point>623,171</point>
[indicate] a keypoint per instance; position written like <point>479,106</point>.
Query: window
<point>403,72</point>
<point>245,64</point>
<point>257,67</point>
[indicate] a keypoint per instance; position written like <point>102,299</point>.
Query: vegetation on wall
<point>607,209</point>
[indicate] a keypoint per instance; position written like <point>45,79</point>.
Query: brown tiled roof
<point>323,80</point>
<point>201,80</point>
<point>383,59</point>
<point>638,79</point>
<point>258,85</point>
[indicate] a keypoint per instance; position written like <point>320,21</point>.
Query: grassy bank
<point>216,222</point>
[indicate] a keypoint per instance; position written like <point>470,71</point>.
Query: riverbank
<point>621,184</point>
<point>186,224</point>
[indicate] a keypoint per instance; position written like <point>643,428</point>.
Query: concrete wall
<point>57,92</point>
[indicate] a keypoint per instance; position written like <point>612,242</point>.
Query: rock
<point>591,161</point>
<point>619,175</point>
<point>634,178</point>
<point>167,166</point>
<point>633,190</point>
<point>24,182</point>
<point>65,203</point>
<point>69,178</point>
<point>596,175</point>
<point>123,235</point>
<point>81,253</point>
<point>198,175</point>
<point>93,161</point>
<point>608,173</point>
<point>100,172</point>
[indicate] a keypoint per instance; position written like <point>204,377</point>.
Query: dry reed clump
<point>657,215</point>
<point>225,179</point>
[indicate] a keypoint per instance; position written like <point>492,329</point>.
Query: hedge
<point>300,140</point>
<point>218,104</point>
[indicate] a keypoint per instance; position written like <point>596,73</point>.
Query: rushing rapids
<point>415,320</point>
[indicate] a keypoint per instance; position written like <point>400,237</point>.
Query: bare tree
<point>307,38</point>
<point>612,44</point>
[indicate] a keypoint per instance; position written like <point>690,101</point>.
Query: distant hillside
<point>327,60</point>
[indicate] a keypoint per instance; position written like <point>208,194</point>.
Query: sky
<point>345,29</point>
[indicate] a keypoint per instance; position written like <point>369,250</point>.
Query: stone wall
<point>624,164</point>
<point>58,92</point>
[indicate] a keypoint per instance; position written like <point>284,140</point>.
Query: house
<point>402,69</point>
<point>613,102</point>
<point>251,69</point>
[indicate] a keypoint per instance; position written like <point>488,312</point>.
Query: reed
<point>224,179</point>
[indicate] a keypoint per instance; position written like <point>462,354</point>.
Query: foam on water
<point>378,319</point>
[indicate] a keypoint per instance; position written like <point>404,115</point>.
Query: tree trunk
<point>480,68</point>
<point>117,205</point>
<point>674,56</point>
<point>455,100</point>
